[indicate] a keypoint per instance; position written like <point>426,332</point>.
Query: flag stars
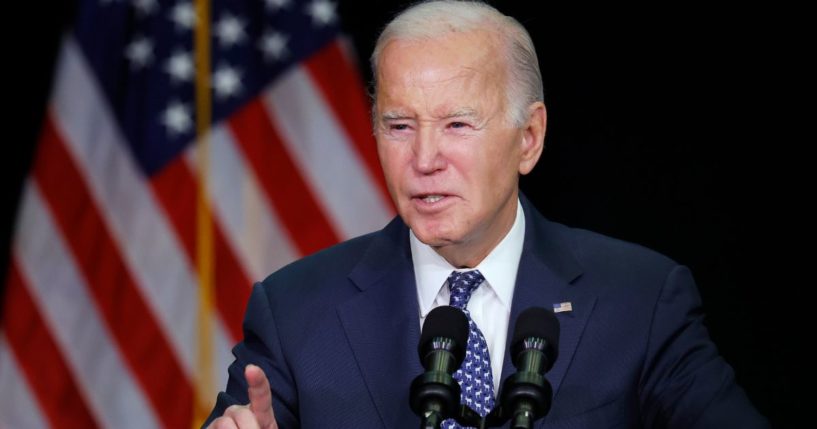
<point>145,7</point>
<point>322,12</point>
<point>230,30</point>
<point>274,45</point>
<point>177,119</point>
<point>183,15</point>
<point>180,67</point>
<point>274,5</point>
<point>139,52</point>
<point>226,82</point>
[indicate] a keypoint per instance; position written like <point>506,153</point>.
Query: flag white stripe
<point>18,407</point>
<point>142,233</point>
<point>253,230</point>
<point>73,320</point>
<point>321,150</point>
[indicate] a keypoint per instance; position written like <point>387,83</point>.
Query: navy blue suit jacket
<point>337,333</point>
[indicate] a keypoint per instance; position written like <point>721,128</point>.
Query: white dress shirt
<point>490,304</point>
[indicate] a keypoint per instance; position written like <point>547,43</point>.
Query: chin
<point>434,237</point>
<point>434,230</point>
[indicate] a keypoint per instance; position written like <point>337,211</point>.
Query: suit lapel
<point>537,286</point>
<point>382,323</point>
<point>546,272</point>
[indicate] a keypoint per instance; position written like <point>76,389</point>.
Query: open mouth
<point>431,201</point>
<point>432,198</point>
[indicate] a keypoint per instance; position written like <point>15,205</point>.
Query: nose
<point>428,157</point>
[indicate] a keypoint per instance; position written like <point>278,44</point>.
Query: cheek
<point>506,156</point>
<point>385,152</point>
<point>382,154</point>
<point>391,161</point>
<point>498,172</point>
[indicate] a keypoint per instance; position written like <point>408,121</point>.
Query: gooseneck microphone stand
<point>435,394</point>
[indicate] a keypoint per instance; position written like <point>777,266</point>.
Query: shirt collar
<point>499,268</point>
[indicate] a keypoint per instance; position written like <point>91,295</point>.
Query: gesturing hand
<point>258,413</point>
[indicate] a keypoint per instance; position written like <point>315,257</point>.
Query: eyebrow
<point>390,116</point>
<point>466,112</point>
<point>462,113</point>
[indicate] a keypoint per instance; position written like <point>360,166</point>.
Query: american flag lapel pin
<point>562,307</point>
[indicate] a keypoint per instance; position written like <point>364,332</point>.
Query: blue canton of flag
<point>142,55</point>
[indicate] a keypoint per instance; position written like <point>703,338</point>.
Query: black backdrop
<point>662,131</point>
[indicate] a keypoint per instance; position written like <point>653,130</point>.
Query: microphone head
<point>536,322</point>
<point>447,322</point>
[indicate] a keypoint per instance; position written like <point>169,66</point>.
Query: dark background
<point>667,127</point>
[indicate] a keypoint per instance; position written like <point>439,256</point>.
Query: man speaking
<point>330,340</point>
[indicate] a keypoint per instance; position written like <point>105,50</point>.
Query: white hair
<point>433,19</point>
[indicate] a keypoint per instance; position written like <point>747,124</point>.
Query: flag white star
<point>183,15</point>
<point>322,11</point>
<point>139,52</point>
<point>274,45</point>
<point>177,118</point>
<point>229,30</point>
<point>274,5</point>
<point>145,7</point>
<point>180,67</point>
<point>226,81</point>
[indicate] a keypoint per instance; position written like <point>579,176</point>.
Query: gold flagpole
<point>204,391</point>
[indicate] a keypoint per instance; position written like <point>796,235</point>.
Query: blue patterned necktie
<point>474,376</point>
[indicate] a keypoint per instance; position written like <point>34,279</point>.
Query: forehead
<point>455,68</point>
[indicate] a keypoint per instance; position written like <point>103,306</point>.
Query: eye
<point>457,125</point>
<point>398,127</point>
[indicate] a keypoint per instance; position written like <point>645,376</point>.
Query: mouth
<point>430,199</point>
<point>431,202</point>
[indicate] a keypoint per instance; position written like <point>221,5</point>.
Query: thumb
<point>260,397</point>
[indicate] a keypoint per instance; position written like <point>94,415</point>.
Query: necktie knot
<point>462,284</point>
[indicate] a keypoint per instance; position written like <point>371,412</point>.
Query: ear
<point>533,137</point>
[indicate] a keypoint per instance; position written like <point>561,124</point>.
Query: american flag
<point>562,307</point>
<point>133,219</point>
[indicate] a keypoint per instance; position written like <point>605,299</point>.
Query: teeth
<point>433,198</point>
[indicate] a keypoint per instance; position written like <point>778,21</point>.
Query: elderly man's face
<point>449,153</point>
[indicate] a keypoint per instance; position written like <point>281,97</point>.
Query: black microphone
<point>435,395</point>
<point>526,396</point>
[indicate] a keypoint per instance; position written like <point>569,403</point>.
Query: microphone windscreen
<point>539,323</point>
<point>448,322</point>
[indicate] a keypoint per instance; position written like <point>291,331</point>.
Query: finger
<point>242,416</point>
<point>222,423</point>
<point>260,396</point>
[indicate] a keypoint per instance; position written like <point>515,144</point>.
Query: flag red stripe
<point>176,189</point>
<point>292,200</point>
<point>340,84</point>
<point>40,358</point>
<point>118,299</point>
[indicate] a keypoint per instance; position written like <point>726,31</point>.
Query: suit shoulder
<point>605,257</point>
<point>329,263</point>
<point>314,283</point>
<point>318,282</point>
